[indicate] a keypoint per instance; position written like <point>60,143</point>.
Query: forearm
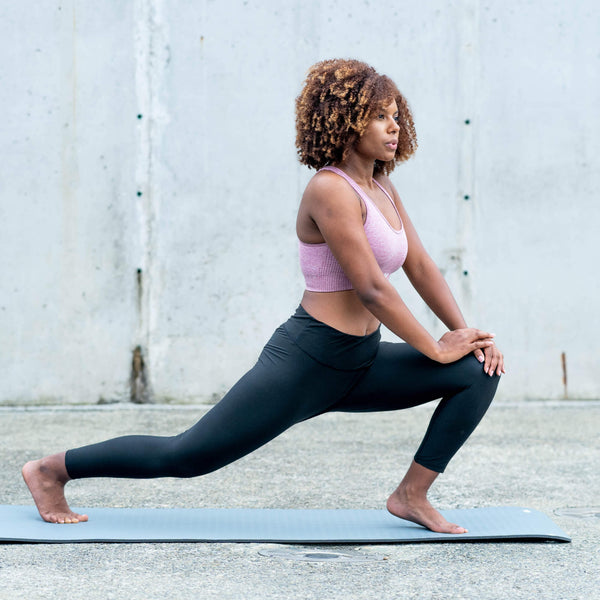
<point>433,288</point>
<point>388,307</point>
<point>384,302</point>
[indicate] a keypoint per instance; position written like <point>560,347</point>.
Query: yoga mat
<point>23,524</point>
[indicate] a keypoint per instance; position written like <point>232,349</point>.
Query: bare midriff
<point>341,310</point>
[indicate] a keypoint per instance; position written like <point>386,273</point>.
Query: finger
<point>487,363</point>
<point>500,368</point>
<point>482,344</point>
<point>484,334</point>
<point>493,363</point>
<point>479,355</point>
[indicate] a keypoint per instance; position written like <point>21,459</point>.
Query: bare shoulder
<point>328,202</point>
<point>327,188</point>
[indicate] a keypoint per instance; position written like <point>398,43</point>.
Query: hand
<point>492,359</point>
<point>458,343</point>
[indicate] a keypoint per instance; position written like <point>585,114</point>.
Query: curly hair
<point>338,100</point>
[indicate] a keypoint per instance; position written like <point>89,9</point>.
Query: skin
<point>331,212</point>
<point>46,479</point>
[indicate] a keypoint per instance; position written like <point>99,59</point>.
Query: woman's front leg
<point>402,377</point>
<point>409,501</point>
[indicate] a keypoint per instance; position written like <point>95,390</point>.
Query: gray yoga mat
<point>23,524</point>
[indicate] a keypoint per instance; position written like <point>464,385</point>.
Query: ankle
<point>410,492</point>
<point>53,467</point>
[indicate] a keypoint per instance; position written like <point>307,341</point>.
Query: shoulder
<point>329,202</point>
<point>329,189</point>
<point>327,182</point>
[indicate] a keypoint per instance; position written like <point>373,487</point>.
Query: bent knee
<point>474,374</point>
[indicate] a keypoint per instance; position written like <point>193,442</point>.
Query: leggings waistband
<point>330,346</point>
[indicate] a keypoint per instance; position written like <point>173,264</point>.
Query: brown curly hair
<point>338,100</point>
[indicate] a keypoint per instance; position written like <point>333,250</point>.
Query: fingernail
<point>480,358</point>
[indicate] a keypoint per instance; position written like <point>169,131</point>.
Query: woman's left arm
<point>426,278</point>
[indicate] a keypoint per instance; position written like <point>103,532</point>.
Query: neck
<point>359,168</point>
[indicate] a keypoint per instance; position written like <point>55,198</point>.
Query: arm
<point>425,276</point>
<point>427,279</point>
<point>337,214</point>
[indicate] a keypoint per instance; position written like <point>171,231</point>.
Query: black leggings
<point>307,368</point>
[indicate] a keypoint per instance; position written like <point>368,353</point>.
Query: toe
<point>458,529</point>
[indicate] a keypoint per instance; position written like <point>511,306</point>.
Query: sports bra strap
<point>349,179</point>
<point>363,195</point>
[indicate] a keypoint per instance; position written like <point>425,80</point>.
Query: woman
<point>354,125</point>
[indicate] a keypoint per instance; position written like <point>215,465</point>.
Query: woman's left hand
<point>492,359</point>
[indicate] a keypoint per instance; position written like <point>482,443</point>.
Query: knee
<point>476,376</point>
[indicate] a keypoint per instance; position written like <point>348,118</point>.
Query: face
<point>380,139</point>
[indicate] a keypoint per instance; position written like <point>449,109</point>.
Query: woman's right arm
<point>336,212</point>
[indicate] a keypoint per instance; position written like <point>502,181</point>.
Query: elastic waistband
<point>333,348</point>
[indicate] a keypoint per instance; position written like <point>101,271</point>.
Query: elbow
<point>421,271</point>
<point>373,294</point>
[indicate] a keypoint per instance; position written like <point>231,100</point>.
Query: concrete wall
<point>149,183</point>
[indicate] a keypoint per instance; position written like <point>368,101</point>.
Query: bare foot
<point>46,480</point>
<point>419,510</point>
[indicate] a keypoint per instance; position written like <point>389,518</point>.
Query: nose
<point>394,125</point>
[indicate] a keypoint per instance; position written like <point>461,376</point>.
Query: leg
<point>409,501</point>
<point>285,387</point>
<point>400,378</point>
<point>46,479</point>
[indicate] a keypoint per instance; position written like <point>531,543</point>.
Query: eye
<point>397,118</point>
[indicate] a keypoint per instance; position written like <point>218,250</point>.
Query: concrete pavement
<point>535,454</point>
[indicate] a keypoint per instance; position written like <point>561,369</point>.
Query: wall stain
<point>563,358</point>
<point>139,392</point>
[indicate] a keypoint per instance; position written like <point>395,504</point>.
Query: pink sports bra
<point>321,270</point>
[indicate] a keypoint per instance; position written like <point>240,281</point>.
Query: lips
<point>392,145</point>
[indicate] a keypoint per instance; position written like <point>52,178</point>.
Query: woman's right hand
<point>460,342</point>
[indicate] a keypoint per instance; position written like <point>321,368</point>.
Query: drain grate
<point>321,555</point>
<point>582,512</point>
